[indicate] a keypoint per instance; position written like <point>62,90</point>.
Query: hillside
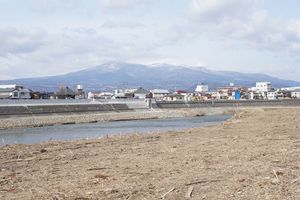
<point>124,75</point>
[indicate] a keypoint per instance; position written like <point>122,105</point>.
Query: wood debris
<point>164,195</point>
<point>189,192</point>
<point>203,181</point>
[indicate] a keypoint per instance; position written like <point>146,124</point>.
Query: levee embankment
<point>227,103</point>
<point>60,108</point>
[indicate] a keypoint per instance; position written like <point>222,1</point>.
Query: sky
<point>49,37</point>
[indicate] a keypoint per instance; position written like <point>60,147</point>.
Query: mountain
<point>110,76</point>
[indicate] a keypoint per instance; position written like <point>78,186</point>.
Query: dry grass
<point>254,156</point>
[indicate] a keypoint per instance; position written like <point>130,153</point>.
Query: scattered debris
<point>164,195</point>
<point>275,173</point>
<point>203,181</point>
<point>96,168</point>
<point>189,192</point>
<point>294,181</point>
<point>43,150</point>
<point>102,176</point>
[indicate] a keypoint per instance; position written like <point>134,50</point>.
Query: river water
<point>96,130</point>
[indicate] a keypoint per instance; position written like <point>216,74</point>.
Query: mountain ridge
<point>109,76</point>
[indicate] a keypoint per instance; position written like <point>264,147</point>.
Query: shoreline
<point>95,117</point>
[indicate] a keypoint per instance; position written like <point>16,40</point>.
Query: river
<point>96,130</point>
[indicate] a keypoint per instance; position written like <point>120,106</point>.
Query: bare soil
<point>256,155</point>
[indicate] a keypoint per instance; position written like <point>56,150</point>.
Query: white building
<point>271,95</point>
<point>14,92</point>
<point>255,95</point>
<point>295,94</point>
<point>141,93</point>
<point>201,88</point>
<point>290,88</point>
<point>174,97</point>
<point>159,93</point>
<point>263,90</point>
<point>100,95</point>
<point>263,86</point>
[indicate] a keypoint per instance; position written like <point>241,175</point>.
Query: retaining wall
<point>48,109</point>
<point>231,103</point>
<point>75,108</point>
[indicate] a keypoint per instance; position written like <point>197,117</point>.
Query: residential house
<point>65,93</point>
<point>141,93</point>
<point>14,92</point>
<point>42,95</point>
<point>202,88</point>
<point>290,88</point>
<point>263,86</point>
<point>283,94</point>
<point>271,95</point>
<point>100,95</point>
<point>295,94</point>
<point>174,97</point>
<point>79,92</point>
<point>123,94</point>
<point>158,94</point>
<point>263,90</point>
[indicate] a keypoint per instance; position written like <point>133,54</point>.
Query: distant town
<point>261,91</point>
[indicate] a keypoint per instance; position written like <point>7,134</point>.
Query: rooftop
<point>162,91</point>
<point>7,89</point>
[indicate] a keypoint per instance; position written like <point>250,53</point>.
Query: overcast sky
<point>48,37</point>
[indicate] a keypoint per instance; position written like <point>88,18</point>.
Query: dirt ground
<point>256,155</point>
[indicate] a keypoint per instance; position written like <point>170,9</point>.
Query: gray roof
<point>174,95</point>
<point>141,91</point>
<point>161,91</point>
<point>65,91</point>
<point>4,96</point>
<point>297,90</point>
<point>7,89</point>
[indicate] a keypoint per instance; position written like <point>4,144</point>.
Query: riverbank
<point>253,156</point>
<point>92,117</point>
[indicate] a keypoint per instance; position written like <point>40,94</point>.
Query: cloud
<point>235,21</point>
<point>20,41</point>
<point>121,25</point>
<point>54,6</point>
<point>71,49</point>
<point>217,11</point>
<point>120,4</point>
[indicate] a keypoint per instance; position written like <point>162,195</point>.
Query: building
<point>255,95</point>
<point>201,88</point>
<point>42,95</point>
<point>295,94</point>
<point>263,91</point>
<point>141,93</point>
<point>159,93</point>
<point>236,95</point>
<point>290,88</point>
<point>174,97</point>
<point>263,86</point>
<point>65,93</point>
<point>272,95</point>
<point>283,94</point>
<point>14,92</point>
<point>79,92</point>
<point>226,93</point>
<point>123,94</point>
<point>100,95</point>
